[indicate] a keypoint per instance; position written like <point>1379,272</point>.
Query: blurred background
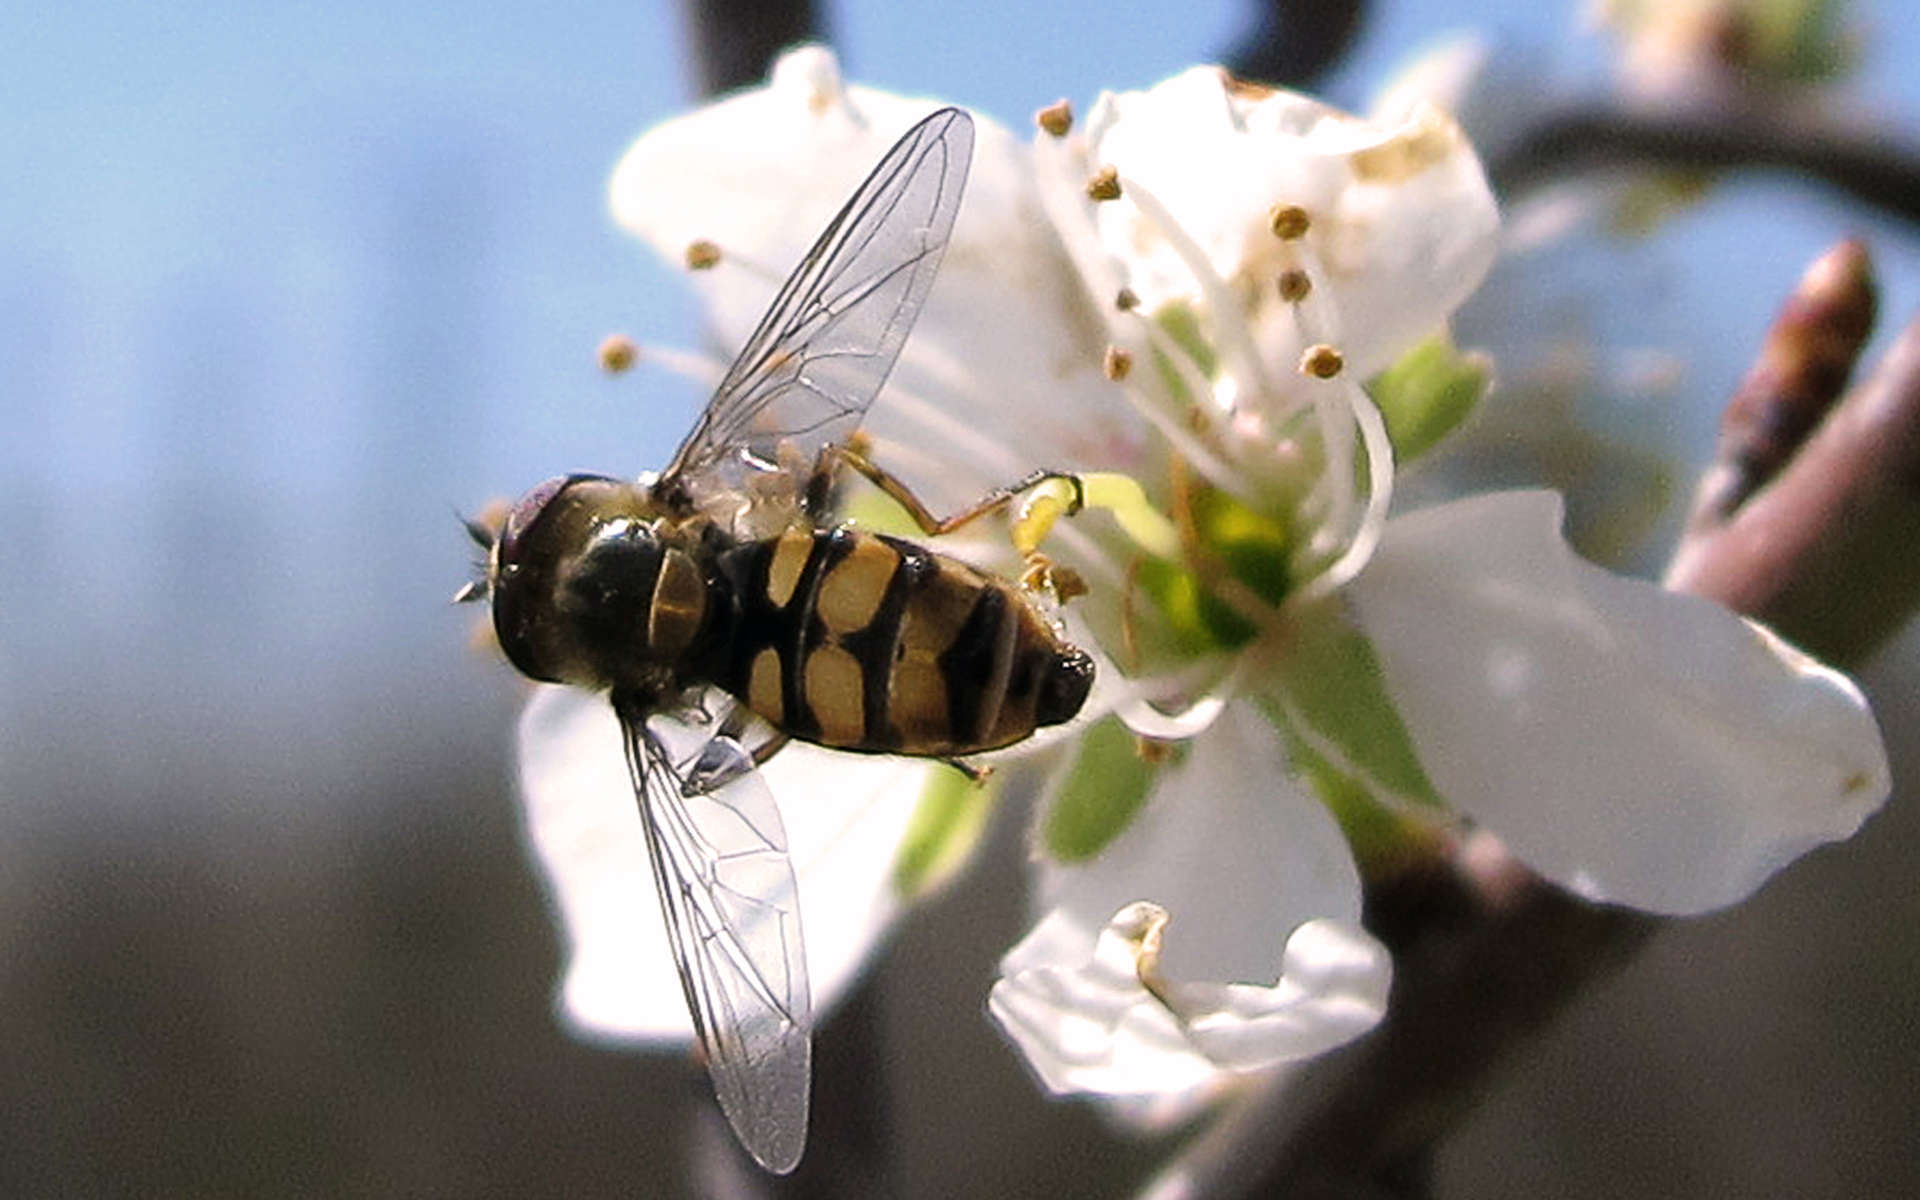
<point>284,287</point>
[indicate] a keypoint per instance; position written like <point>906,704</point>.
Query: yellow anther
<point>702,255</point>
<point>1105,185</point>
<point>1044,505</point>
<point>1294,286</point>
<point>1055,118</point>
<point>617,353</point>
<point>1117,363</point>
<point>1321,362</point>
<point>1153,751</point>
<point>1289,222</point>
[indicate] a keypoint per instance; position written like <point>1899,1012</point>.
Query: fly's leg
<point>852,457</point>
<point>976,775</point>
<point>1045,496</point>
<point>740,722</point>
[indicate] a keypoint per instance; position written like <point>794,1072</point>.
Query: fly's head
<point>571,569</point>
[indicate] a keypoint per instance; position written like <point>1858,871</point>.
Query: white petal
<point>1243,860</point>
<point>1094,1028</point>
<point>761,173</point>
<point>844,814</point>
<point>1632,744</point>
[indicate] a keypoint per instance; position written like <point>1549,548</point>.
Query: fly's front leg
<point>853,456</point>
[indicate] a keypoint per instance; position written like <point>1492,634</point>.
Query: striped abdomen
<point>865,642</point>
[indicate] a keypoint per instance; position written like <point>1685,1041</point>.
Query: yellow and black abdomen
<point>861,641</point>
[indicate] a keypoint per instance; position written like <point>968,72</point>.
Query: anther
<point>617,353</point>
<point>1152,751</point>
<point>1289,222</point>
<point>1105,185</point>
<point>1055,118</point>
<point>1321,361</point>
<point>1117,363</point>
<point>1294,286</point>
<point>702,255</point>
<point>1126,300</point>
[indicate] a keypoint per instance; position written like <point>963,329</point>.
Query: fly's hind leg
<point>976,775</point>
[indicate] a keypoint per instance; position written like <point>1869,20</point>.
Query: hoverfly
<point>723,614</point>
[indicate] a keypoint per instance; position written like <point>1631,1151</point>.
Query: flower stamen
<point>1289,222</point>
<point>1373,519</point>
<point>704,254</point>
<point>1322,361</point>
<point>1235,341</point>
<point>617,353</point>
<point>1056,118</point>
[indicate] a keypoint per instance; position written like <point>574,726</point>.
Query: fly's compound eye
<point>540,529</point>
<point>523,518</point>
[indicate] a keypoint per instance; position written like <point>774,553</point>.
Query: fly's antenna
<point>484,534</point>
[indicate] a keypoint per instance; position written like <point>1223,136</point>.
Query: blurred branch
<point>1486,953</point>
<point>1866,164</point>
<point>733,42</point>
<point>1294,42</point>
<point>1823,550</point>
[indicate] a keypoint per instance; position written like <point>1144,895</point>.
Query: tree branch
<point>1292,43</point>
<point>734,41</point>
<point>1865,164</point>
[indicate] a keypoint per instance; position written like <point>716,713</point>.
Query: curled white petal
<point>845,816</point>
<point>1635,745</point>
<point>1242,858</point>
<point>1099,1027</point>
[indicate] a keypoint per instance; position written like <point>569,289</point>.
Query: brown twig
<point>734,41</point>
<point>1866,165</point>
<point>1802,368</point>
<point>1825,551</point>
<point>1485,953</point>
<point>1292,43</point>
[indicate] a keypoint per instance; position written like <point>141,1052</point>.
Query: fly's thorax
<point>593,585</point>
<point>866,642</point>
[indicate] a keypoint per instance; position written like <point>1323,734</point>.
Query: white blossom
<point>1253,597</point>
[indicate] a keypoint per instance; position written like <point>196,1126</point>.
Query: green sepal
<point>1102,789</point>
<point>1198,622</point>
<point>1253,547</point>
<point>945,827</point>
<point>1427,394</point>
<point>1334,688</point>
<point>1383,839</point>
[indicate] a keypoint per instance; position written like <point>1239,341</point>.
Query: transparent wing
<point>727,890</point>
<point>812,368</point>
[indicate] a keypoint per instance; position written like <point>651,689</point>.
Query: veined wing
<point>809,372</point>
<point>727,891</point>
